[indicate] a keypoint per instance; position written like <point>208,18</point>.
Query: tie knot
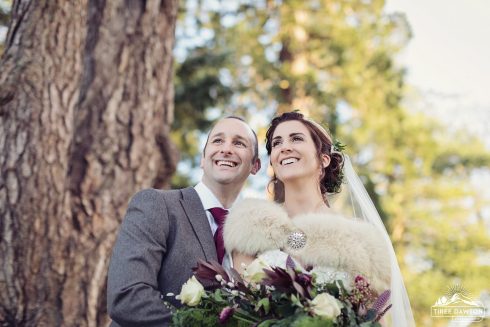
<point>219,215</point>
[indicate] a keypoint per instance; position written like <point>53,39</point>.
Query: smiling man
<point>164,233</point>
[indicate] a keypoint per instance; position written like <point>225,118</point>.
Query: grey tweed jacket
<point>161,238</point>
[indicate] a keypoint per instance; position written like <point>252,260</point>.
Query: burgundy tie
<point>219,215</point>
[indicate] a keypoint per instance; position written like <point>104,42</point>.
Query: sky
<point>448,60</point>
<point>448,64</point>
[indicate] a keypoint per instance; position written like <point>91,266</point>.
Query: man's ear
<point>201,164</point>
<point>325,161</point>
<point>256,166</point>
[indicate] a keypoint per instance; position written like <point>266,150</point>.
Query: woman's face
<point>294,155</point>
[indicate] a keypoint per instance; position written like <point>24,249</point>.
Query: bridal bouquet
<point>274,296</point>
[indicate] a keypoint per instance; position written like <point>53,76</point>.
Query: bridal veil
<point>400,314</point>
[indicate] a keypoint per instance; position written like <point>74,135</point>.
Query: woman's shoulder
<point>256,225</point>
<point>257,208</point>
<point>319,223</point>
<point>345,244</point>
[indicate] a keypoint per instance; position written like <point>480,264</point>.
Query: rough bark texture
<point>85,105</point>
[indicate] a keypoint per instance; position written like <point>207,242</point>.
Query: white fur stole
<point>254,226</point>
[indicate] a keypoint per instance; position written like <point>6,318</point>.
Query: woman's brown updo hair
<point>332,175</point>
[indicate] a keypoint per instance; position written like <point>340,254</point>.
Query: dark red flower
<point>304,279</point>
<point>360,279</point>
<point>226,314</point>
<point>289,281</point>
<point>206,272</point>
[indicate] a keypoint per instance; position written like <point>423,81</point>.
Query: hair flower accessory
<point>337,147</point>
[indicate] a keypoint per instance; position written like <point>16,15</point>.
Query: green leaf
<point>263,303</point>
<point>268,323</point>
<point>217,296</point>
<point>296,301</point>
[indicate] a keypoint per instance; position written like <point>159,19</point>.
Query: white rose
<point>326,305</point>
<point>255,270</point>
<point>191,292</point>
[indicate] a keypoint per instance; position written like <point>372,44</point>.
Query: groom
<point>164,233</point>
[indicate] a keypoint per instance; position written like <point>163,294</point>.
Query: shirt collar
<point>207,197</point>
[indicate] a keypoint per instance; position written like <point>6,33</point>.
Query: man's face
<point>228,154</point>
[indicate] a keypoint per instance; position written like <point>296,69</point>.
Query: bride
<point>301,223</point>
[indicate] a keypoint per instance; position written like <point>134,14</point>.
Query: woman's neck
<point>301,198</point>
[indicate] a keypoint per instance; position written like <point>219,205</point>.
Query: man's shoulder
<point>173,194</point>
<point>155,201</point>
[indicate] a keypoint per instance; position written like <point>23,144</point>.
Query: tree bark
<point>86,100</point>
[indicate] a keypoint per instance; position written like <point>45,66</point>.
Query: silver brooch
<point>297,240</point>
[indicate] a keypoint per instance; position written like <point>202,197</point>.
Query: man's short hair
<point>256,142</point>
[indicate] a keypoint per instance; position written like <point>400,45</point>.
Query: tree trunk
<point>86,100</point>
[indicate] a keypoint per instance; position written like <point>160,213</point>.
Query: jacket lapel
<point>197,217</point>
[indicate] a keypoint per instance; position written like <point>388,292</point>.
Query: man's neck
<point>226,194</point>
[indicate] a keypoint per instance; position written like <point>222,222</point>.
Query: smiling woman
<point>301,226</point>
<point>308,152</point>
<point>294,157</point>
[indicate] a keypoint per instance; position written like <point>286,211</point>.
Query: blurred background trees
<point>335,61</point>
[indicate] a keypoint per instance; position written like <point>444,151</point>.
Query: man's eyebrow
<point>241,138</point>
<point>217,134</point>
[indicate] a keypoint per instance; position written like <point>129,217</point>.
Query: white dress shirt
<point>209,200</point>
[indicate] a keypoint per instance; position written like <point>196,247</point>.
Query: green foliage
<point>196,317</point>
<point>5,11</point>
<point>5,8</point>
<point>197,89</point>
<point>302,321</point>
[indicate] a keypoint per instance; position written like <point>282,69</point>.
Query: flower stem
<point>243,316</point>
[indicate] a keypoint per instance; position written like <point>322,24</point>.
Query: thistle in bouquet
<point>329,304</point>
<point>274,296</point>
